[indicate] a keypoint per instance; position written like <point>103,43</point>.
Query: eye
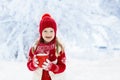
<point>45,31</point>
<point>51,31</point>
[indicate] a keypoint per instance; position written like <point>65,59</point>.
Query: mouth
<point>48,37</point>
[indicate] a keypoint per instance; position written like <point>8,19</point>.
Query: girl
<point>54,66</point>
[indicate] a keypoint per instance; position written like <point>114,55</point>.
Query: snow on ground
<point>94,70</point>
<point>104,69</point>
<point>14,71</point>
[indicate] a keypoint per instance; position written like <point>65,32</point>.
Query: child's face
<point>48,34</point>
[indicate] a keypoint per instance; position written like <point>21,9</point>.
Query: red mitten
<point>35,61</point>
<point>47,65</point>
<point>50,66</point>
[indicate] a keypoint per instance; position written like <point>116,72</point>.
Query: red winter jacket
<point>57,68</point>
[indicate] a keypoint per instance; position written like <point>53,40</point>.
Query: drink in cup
<point>41,58</point>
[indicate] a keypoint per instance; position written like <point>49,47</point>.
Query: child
<point>54,67</point>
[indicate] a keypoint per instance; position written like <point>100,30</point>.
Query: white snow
<point>89,30</point>
<point>81,23</point>
<point>105,69</point>
<point>14,71</point>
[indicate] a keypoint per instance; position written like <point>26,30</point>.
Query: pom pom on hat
<point>46,15</point>
<point>47,22</point>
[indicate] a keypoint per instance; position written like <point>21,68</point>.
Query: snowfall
<point>89,30</point>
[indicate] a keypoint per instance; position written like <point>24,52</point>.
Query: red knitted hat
<point>47,22</point>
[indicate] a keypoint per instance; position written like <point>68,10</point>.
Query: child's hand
<point>35,61</point>
<point>47,65</point>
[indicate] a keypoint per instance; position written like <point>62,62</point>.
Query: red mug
<point>41,58</point>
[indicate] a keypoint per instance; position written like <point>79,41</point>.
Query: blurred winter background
<point>89,30</point>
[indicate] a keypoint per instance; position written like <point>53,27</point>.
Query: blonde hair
<point>59,47</point>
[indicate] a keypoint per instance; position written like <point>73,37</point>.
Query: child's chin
<point>48,40</point>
